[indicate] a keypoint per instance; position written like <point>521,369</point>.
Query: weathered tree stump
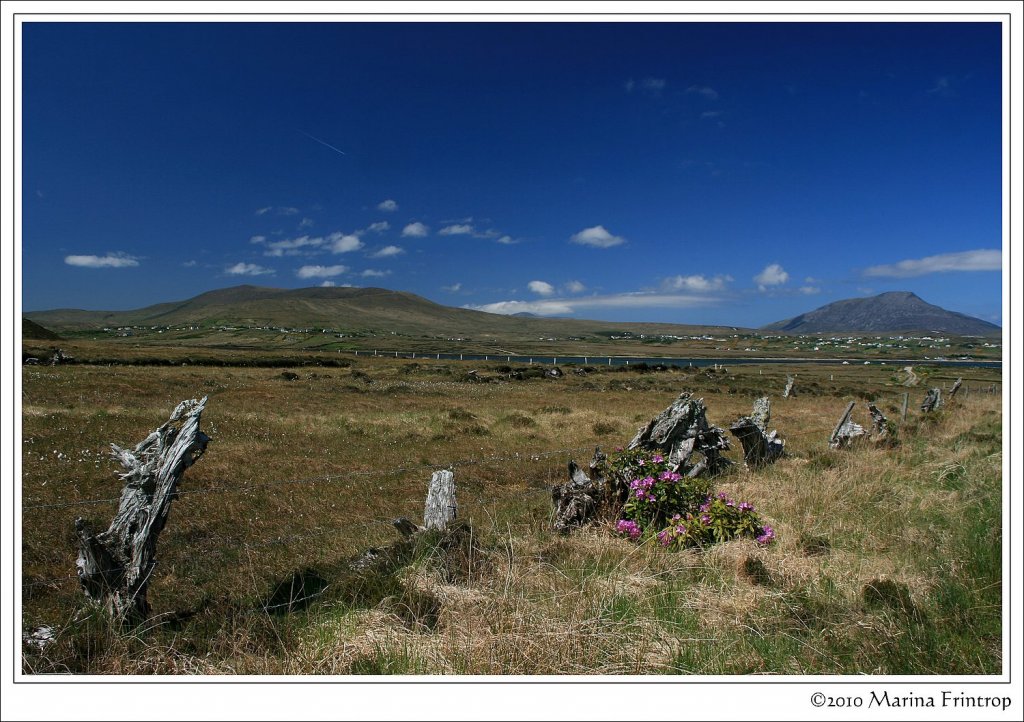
<point>882,432</point>
<point>577,501</point>
<point>440,508</point>
<point>846,431</point>
<point>789,391</point>
<point>115,566</point>
<point>759,446</point>
<point>932,401</point>
<point>679,432</point>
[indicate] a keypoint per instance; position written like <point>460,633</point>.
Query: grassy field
<point>888,561</point>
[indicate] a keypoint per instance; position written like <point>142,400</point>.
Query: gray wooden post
<point>903,411</point>
<point>440,508</point>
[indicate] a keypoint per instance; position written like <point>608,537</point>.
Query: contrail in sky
<point>322,142</point>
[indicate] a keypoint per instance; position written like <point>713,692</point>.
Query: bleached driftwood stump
<point>846,430</point>
<point>440,508</point>
<point>115,566</point>
<point>759,446</point>
<point>932,401</point>
<point>681,431</point>
<point>789,391</point>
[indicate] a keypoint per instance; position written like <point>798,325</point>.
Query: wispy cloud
<point>772,275</point>
<point>278,210</point>
<point>189,264</point>
<point>696,283</point>
<point>321,271</point>
<point>387,252</point>
<point>288,246</point>
<point>650,85</point>
<point>378,227</point>
<point>574,287</point>
<point>247,269</point>
<point>328,284</point>
<point>506,240</point>
<point>454,288</point>
<point>388,205</point>
<point>456,229</point>
<point>710,114</point>
<point>810,290</point>
<point>372,273</point>
<point>570,306</point>
<point>703,91</point>
<point>541,288</point>
<point>305,223</point>
<point>979,260</point>
<point>598,237</point>
<point>111,260</point>
<point>415,230</point>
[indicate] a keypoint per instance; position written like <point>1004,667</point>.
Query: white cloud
<point>506,241</point>
<point>653,85</point>
<point>278,210</point>
<point>597,236</point>
<point>344,243</point>
<point>703,91</point>
<point>258,239</point>
<point>980,260</point>
<point>541,288</point>
<point>415,230</point>
<point>569,306</point>
<point>370,273</point>
<point>772,275</point>
<point>810,290</point>
<point>454,288</point>
<point>290,246</point>
<point>574,287</point>
<point>387,252</point>
<point>388,205</point>
<point>247,269</point>
<point>321,271</point>
<point>190,264</point>
<point>696,283</point>
<point>457,229</point>
<point>305,223</point>
<point>379,227</point>
<point>111,260</point>
<point>327,284</point>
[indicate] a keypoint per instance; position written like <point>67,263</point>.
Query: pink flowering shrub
<point>678,511</point>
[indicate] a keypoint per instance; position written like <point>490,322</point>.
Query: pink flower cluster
<point>629,528</point>
<point>642,488</point>
<point>767,535</point>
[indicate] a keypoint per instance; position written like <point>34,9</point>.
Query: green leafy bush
<point>678,511</point>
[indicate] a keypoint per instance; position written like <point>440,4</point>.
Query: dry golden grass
<point>302,474</point>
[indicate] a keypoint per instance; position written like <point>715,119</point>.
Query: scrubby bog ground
<point>886,561</point>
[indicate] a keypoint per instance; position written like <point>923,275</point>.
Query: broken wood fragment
<point>759,446</point>
<point>932,401</point>
<point>846,431</point>
<point>956,387</point>
<point>679,432</point>
<point>789,391</point>
<point>115,566</point>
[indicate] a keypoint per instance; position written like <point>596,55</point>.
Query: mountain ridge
<point>890,312</point>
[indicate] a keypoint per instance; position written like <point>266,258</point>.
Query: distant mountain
<point>375,310</point>
<point>893,312</point>
<point>32,330</point>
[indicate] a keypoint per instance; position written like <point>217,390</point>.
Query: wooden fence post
<point>903,411</point>
<point>115,566</point>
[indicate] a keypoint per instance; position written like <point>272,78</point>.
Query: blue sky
<point>732,173</point>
